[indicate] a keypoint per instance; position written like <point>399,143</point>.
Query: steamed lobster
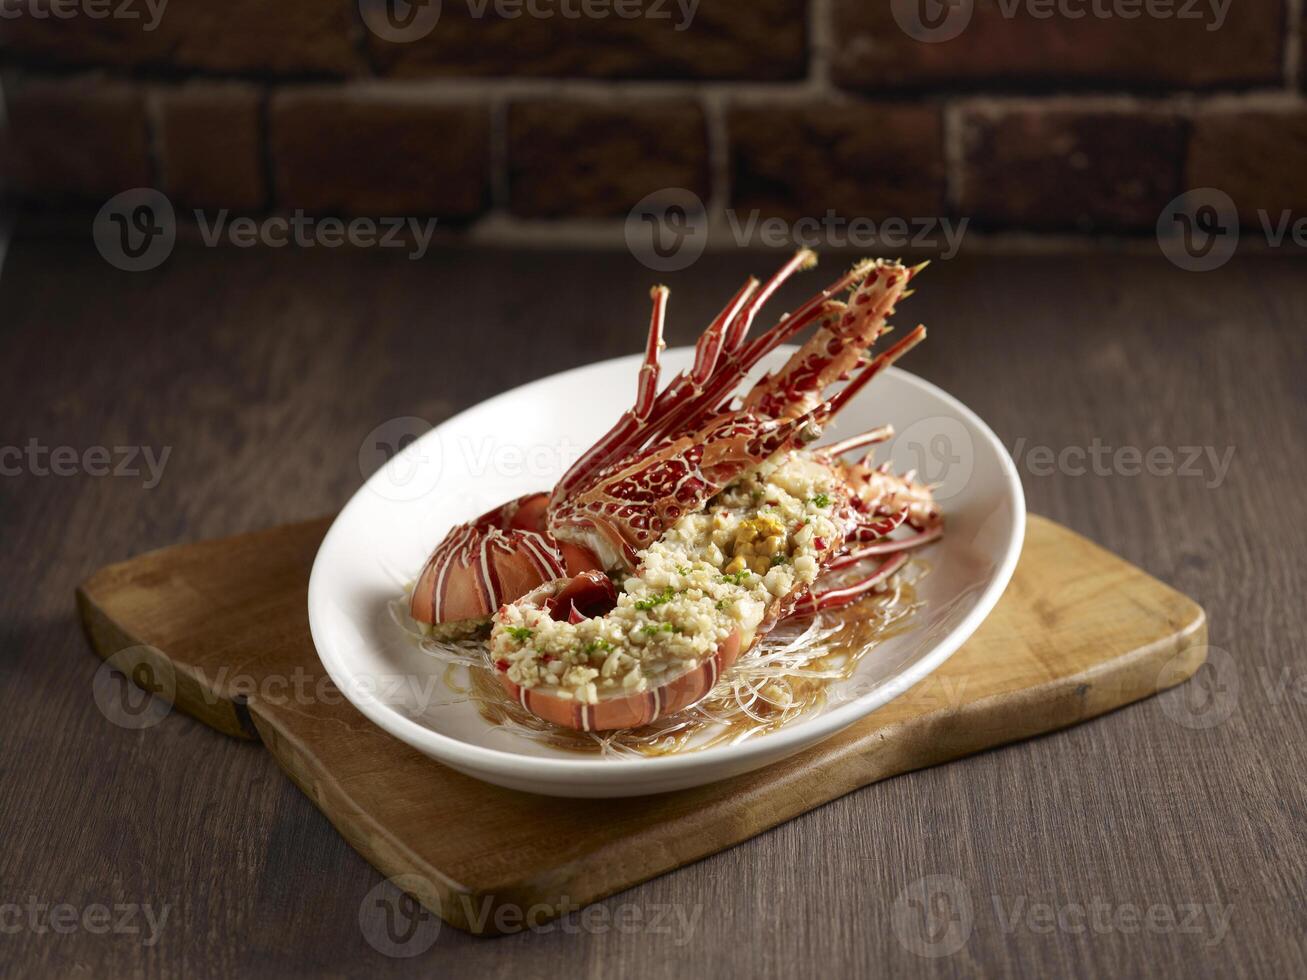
<point>714,513</point>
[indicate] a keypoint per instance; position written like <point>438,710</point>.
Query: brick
<point>571,159</point>
<point>863,160</point>
<point>762,39</point>
<point>249,36</point>
<point>1259,158</point>
<point>209,145</point>
<point>339,151</point>
<point>1069,169</point>
<point>81,137</point>
<point>998,51</point>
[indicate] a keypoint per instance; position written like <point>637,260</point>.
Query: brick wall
<point>1027,118</point>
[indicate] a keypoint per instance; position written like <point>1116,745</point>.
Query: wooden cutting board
<point>1078,633</point>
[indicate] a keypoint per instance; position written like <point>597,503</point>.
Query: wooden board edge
<point>378,846</point>
<point>868,754</point>
<point>179,686</point>
<point>871,754</point>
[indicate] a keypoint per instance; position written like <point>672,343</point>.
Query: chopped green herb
<point>737,578</point>
<point>821,500</point>
<point>778,560</point>
<point>683,569</point>
<point>597,646</point>
<point>651,629</point>
<point>665,595</point>
<point>520,633</point>
<point>721,605</point>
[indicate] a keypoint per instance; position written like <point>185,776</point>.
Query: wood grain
<point>1078,633</point>
<point>264,371</point>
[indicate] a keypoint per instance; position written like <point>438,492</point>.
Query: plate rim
<point>506,763</point>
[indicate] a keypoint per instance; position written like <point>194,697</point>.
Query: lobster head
<point>629,505</point>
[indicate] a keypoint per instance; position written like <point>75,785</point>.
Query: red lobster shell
<point>672,452</point>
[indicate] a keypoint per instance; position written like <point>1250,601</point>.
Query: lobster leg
<point>803,259</point>
<point>869,438</point>
<point>863,377</point>
<point>820,601</point>
<point>633,420</point>
<point>836,349</point>
<point>887,547</point>
<point>631,432</point>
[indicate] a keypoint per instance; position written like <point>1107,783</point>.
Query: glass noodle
<point>784,676</point>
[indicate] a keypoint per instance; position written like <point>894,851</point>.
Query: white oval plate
<point>523,441</point>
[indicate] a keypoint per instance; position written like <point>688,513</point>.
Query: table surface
<point>1130,845</point>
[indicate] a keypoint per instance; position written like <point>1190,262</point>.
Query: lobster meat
<point>714,512</point>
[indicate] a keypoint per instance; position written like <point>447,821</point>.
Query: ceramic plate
<point>523,441</point>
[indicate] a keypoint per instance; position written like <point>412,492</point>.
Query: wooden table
<point>1116,848</point>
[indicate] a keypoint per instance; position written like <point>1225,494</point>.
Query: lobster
<point>554,557</point>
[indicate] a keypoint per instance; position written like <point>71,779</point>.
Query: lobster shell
<point>499,556</point>
<point>629,710</point>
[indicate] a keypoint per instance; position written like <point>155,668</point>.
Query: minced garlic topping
<point>712,572</point>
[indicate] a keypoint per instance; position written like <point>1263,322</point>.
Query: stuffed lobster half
<point>702,518</point>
